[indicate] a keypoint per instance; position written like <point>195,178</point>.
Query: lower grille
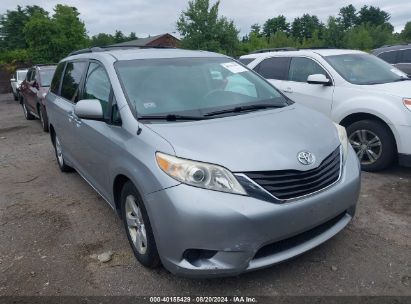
<point>288,184</point>
<point>294,241</point>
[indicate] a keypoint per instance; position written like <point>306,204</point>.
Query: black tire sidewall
<point>43,115</point>
<point>150,258</point>
<point>388,153</point>
<point>28,116</point>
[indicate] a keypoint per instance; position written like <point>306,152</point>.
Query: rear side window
<point>274,68</point>
<point>98,86</point>
<point>301,68</point>
<point>71,80</point>
<point>246,61</point>
<point>405,56</point>
<point>390,57</point>
<point>55,83</point>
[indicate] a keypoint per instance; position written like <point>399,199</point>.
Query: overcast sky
<point>151,17</point>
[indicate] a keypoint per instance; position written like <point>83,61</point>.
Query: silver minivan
<point>213,171</point>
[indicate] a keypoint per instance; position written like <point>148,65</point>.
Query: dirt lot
<point>51,225</point>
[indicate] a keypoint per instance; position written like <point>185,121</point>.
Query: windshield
<point>192,86</point>
<point>364,69</point>
<point>46,76</point>
<point>21,75</point>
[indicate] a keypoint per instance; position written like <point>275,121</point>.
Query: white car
<point>371,98</point>
<point>16,81</point>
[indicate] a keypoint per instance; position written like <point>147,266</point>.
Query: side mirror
<point>13,80</point>
<point>318,79</point>
<point>89,109</point>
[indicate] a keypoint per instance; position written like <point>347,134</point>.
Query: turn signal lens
<point>407,103</point>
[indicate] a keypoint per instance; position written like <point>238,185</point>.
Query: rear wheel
<point>59,155</point>
<point>373,143</point>
<point>138,227</point>
<point>26,111</point>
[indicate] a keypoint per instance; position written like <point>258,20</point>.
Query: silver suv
<point>212,170</point>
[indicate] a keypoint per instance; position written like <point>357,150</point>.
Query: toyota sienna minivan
<point>213,171</point>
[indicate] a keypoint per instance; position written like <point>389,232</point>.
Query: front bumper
<point>236,229</point>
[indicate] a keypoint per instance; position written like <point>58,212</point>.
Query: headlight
<point>407,103</point>
<point>342,135</point>
<point>199,174</point>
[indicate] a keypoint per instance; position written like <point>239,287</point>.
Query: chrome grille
<point>289,184</point>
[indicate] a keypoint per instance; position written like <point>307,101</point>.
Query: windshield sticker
<point>233,67</point>
<point>398,72</point>
<point>149,105</point>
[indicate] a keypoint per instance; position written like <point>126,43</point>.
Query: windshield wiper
<point>244,108</point>
<point>172,117</point>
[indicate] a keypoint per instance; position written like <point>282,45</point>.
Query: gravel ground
<point>52,226</point>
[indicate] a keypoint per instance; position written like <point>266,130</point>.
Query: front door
<point>316,96</point>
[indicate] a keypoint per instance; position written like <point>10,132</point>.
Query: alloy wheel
<point>367,145</point>
<point>59,152</point>
<point>135,224</point>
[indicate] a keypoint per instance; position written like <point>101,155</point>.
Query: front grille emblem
<point>306,158</point>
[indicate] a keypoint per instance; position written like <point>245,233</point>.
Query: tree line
<point>32,35</point>
<point>365,29</point>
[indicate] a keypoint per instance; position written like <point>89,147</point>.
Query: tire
<point>26,111</point>
<point>147,255</point>
<point>43,118</point>
<point>374,143</point>
<point>59,155</point>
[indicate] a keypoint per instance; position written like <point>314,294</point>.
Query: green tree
<point>119,37</point>
<point>50,39</point>
<point>334,33</point>
<point>347,17</point>
<point>406,32</point>
<point>132,36</point>
<point>359,38</point>
<point>202,28</point>
<point>304,27</point>
<point>71,30</point>
<point>11,27</point>
<point>272,25</point>
<point>256,29</point>
<point>102,39</point>
<point>372,15</point>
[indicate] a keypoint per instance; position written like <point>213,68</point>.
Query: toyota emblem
<point>306,158</point>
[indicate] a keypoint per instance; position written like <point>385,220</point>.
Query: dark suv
<point>397,55</point>
<point>33,90</point>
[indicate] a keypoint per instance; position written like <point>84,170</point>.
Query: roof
<point>143,41</point>
<point>392,48</point>
<point>144,53</point>
<point>321,52</point>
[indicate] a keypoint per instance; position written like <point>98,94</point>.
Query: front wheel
<point>138,227</point>
<point>59,155</point>
<point>374,144</point>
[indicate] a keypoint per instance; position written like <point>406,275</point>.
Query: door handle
<point>287,90</point>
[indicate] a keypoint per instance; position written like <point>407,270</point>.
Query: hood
<point>257,141</point>
<point>400,88</point>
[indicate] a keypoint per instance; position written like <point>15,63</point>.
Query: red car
<point>33,90</point>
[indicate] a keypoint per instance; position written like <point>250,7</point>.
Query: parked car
<point>33,91</point>
<point>212,170</point>
<point>398,55</point>
<point>15,82</point>
<point>363,93</point>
